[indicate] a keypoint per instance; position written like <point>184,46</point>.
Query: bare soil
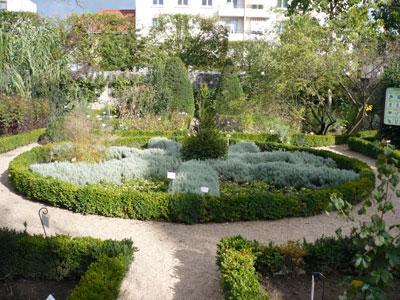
<point>35,289</point>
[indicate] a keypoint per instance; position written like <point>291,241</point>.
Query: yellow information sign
<point>392,107</point>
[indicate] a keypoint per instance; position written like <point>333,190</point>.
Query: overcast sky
<point>62,8</point>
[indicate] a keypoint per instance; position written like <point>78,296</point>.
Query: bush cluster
<point>241,261</point>
<point>18,114</point>
<point>8,143</point>
<point>101,265</point>
<point>127,202</point>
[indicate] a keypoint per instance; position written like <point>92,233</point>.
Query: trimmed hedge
<point>241,262</point>
<point>369,148</point>
<point>127,202</point>
<point>101,265</point>
<point>8,143</point>
<point>139,138</point>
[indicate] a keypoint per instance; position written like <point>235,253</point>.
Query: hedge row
<point>8,143</point>
<point>127,202</point>
<point>241,262</point>
<point>369,148</point>
<point>101,265</point>
<point>140,138</point>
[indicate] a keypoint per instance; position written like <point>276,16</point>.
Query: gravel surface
<point>174,261</point>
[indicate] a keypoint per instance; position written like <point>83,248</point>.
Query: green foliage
<point>378,244</point>
<point>243,147</point>
<point>91,88</point>
<point>229,95</point>
<point>21,114</point>
<point>369,148</point>
<point>104,41</point>
<point>199,42</point>
<point>102,280</point>
<point>128,202</point>
<point>8,143</point>
<point>179,91</point>
<point>36,45</point>
<point>103,264</point>
<point>314,140</point>
<point>208,142</point>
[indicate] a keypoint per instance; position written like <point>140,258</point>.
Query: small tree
<point>377,243</point>
<point>207,143</point>
<point>229,94</point>
<point>179,91</point>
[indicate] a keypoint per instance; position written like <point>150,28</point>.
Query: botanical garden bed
<point>250,270</point>
<point>150,200</point>
<point>100,266</point>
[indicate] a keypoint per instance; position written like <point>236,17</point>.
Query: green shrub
<point>18,114</point>
<point>179,89</point>
<point>103,264</point>
<point>371,149</point>
<point>311,140</point>
<point>207,144</point>
<point>229,94</point>
<point>90,89</point>
<point>238,260</point>
<point>126,202</point>
<point>8,143</point>
<point>239,277</point>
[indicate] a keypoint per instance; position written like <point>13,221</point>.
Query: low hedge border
<point>126,202</point>
<point>369,146</point>
<point>243,262</point>
<point>11,142</point>
<point>100,265</point>
<point>139,138</point>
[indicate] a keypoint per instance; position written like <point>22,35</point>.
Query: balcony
<point>235,8</point>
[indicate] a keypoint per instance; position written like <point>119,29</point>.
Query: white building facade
<point>245,19</point>
<point>18,5</point>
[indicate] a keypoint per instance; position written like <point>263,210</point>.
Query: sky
<point>63,8</point>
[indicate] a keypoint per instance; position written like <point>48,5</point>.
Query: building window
<point>282,4</point>
<point>183,2</point>
<point>155,22</point>
<point>207,2</point>
<point>158,2</point>
<point>3,5</point>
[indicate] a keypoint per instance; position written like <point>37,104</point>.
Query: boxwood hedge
<point>100,265</point>
<point>11,142</point>
<point>241,262</point>
<point>126,202</point>
<point>136,138</point>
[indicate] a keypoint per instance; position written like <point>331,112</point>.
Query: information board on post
<point>392,107</point>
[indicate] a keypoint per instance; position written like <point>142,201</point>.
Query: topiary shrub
<point>179,91</point>
<point>229,93</point>
<point>208,142</point>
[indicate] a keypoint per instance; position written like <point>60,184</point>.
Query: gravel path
<point>174,261</point>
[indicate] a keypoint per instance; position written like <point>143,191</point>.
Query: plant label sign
<point>50,297</point>
<point>392,107</point>
<point>171,175</point>
<point>204,189</point>
<point>46,220</point>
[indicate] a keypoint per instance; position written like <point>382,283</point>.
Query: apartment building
<point>245,19</point>
<point>18,5</point>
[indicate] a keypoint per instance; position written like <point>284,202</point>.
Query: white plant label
<point>50,297</point>
<point>171,175</point>
<point>46,221</point>
<point>204,189</point>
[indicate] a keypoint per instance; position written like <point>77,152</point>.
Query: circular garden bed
<point>252,185</point>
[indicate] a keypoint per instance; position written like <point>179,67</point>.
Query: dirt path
<point>174,261</point>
